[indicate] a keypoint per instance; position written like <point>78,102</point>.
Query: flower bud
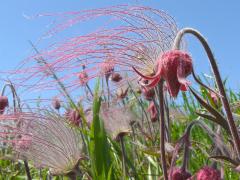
<point>116,77</point>
<point>73,116</point>
<point>215,98</point>
<point>153,111</point>
<point>148,93</point>
<point>3,103</point>
<point>56,103</point>
<point>208,173</point>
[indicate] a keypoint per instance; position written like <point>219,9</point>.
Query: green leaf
<point>99,146</point>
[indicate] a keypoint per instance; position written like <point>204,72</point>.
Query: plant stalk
<point>162,130</point>
<point>224,100</point>
<point>27,170</point>
<point>123,157</point>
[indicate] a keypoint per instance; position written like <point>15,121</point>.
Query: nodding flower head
<point>173,67</point>
<point>116,77</point>
<point>44,139</point>
<point>3,103</point>
<point>207,173</point>
<point>56,103</point>
<point>178,174</point>
<point>73,117</point>
<point>116,120</point>
<point>83,78</point>
<point>153,111</point>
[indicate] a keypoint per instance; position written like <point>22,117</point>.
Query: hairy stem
<point>224,100</point>
<point>162,130</point>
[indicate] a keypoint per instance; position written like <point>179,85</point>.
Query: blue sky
<point>217,20</point>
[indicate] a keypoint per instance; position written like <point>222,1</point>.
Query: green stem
<point>123,157</point>
<point>27,170</point>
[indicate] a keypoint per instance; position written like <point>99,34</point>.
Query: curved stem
<point>219,82</point>
<point>162,130</point>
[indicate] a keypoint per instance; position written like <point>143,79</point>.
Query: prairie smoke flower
<point>3,103</point>
<point>46,140</point>
<point>116,120</point>
<point>173,66</point>
<point>56,103</point>
<point>153,111</point>
<point>207,173</point>
<point>178,174</point>
<point>134,36</point>
<point>73,117</point>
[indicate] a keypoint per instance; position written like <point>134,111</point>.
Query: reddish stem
<point>162,130</point>
<point>231,124</point>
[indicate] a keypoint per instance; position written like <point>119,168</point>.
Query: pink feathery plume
<point>44,139</point>
<point>134,36</point>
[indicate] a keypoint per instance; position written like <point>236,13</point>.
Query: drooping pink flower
<point>3,103</point>
<point>173,67</point>
<point>73,116</point>
<point>178,174</point>
<point>153,111</point>
<point>208,173</point>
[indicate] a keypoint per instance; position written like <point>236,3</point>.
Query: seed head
<point>3,103</point>
<point>116,120</point>
<point>208,173</point>
<point>46,140</point>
